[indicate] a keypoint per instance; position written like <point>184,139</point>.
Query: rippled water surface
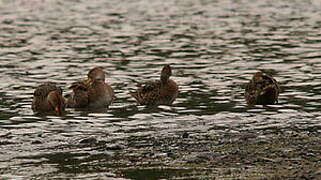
<point>214,47</point>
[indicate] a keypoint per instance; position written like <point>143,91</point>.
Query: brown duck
<point>79,96</point>
<point>158,92</point>
<point>47,98</point>
<point>262,90</point>
<point>93,93</point>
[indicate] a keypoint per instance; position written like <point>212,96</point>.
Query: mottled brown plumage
<point>94,93</point>
<point>262,90</point>
<point>79,96</point>
<point>158,92</point>
<point>48,98</point>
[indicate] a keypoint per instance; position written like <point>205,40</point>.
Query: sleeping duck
<point>47,98</point>
<point>262,90</point>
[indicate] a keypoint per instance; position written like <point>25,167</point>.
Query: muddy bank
<point>265,154</point>
<point>271,153</point>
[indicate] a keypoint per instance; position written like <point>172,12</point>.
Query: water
<point>214,47</point>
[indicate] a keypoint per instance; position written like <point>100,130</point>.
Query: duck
<point>162,91</point>
<point>47,98</point>
<point>79,96</point>
<point>93,92</point>
<point>262,89</point>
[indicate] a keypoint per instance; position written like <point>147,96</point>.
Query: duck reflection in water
<point>262,90</point>
<point>158,92</point>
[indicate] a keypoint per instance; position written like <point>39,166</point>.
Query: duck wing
<point>148,94</point>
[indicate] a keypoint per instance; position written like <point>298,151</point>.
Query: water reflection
<point>214,48</point>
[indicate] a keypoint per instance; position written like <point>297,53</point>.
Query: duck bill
<point>87,81</point>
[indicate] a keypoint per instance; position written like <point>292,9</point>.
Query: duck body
<point>157,92</point>
<point>48,98</point>
<point>100,94</point>
<point>262,90</point>
<point>93,93</point>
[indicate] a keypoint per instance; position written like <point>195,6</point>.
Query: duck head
<point>258,77</point>
<point>166,73</point>
<point>95,74</point>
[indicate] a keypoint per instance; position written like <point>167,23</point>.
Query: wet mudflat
<point>214,48</point>
<point>241,155</point>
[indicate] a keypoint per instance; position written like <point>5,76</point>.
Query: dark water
<point>214,47</point>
